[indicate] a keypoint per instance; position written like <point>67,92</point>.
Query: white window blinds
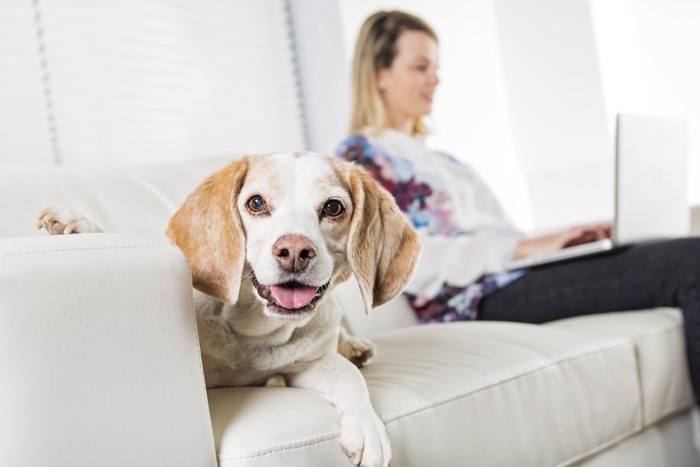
<point>24,124</point>
<point>143,81</point>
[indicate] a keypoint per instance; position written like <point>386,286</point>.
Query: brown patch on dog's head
<point>382,249</point>
<point>208,229</point>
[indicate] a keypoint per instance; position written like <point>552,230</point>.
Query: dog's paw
<point>364,439</point>
<point>62,220</point>
<point>359,351</point>
<point>276,381</point>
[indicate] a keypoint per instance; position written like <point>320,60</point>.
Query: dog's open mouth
<point>290,297</point>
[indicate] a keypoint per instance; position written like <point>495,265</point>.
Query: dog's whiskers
<point>248,275</point>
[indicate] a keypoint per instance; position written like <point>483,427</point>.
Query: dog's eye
<point>256,204</point>
<point>333,208</point>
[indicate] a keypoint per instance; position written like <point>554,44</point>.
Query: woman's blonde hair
<point>375,50</point>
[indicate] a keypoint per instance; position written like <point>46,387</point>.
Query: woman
<point>466,237</point>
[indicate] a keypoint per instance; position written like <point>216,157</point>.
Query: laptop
<point>650,188</point>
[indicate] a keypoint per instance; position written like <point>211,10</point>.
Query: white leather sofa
<point>99,363</point>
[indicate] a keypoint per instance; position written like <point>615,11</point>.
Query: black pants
<point>637,277</point>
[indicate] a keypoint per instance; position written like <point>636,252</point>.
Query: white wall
<point>530,90</point>
<point>557,110</point>
<point>649,57</point>
<point>325,78</point>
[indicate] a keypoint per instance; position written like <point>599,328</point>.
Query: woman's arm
<point>557,241</point>
<point>460,260</point>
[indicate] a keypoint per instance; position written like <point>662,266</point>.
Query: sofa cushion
<point>127,200</point>
<point>661,354</point>
<point>274,426</point>
<point>457,391</point>
<point>99,362</point>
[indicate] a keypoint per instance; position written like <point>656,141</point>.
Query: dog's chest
<point>232,358</point>
<point>249,362</point>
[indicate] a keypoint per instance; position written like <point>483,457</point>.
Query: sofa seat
<point>488,393</point>
<point>595,391</point>
<point>661,355</point>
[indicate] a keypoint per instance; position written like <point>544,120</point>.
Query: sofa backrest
<point>125,200</point>
<point>140,201</point>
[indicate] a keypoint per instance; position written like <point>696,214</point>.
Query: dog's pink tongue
<point>293,298</point>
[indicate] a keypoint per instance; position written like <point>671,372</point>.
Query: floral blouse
<point>465,236</point>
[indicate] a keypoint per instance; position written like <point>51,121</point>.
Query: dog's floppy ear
<point>208,229</point>
<point>383,249</point>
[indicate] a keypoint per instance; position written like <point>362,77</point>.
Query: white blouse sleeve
<point>461,259</point>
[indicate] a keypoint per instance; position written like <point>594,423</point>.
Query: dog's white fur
<point>247,340</point>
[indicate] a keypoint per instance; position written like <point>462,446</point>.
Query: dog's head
<point>296,224</point>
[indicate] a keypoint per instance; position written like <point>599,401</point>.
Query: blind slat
<point>144,82</point>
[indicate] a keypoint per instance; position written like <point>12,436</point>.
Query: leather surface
<point>126,200</point>
<point>448,392</point>
<point>668,443</point>
<point>99,360</point>
<point>660,347</point>
<point>553,394</point>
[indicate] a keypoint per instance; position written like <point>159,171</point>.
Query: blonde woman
<point>466,237</point>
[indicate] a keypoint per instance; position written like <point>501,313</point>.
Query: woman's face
<point>408,85</point>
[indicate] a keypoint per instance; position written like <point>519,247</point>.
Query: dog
<point>268,238</point>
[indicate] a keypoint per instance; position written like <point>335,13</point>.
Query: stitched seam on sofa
<point>628,344</point>
<point>62,250</point>
<point>646,335</point>
<point>684,405</point>
<point>601,447</point>
<point>604,446</point>
<point>646,338</point>
<point>640,385</point>
<point>637,353</point>
<point>659,332</point>
<point>199,355</point>
<point>645,423</point>
<point>199,352</point>
<point>299,445</point>
<point>642,338</point>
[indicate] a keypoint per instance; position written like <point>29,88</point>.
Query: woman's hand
<point>557,241</point>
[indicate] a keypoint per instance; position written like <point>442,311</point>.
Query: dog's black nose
<point>293,252</point>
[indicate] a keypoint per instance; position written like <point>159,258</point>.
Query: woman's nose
<point>434,78</point>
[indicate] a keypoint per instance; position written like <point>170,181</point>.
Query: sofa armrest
<point>99,358</point>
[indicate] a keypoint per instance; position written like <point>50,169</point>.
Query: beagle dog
<point>268,238</point>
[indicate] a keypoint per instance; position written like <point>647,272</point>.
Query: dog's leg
<point>62,220</point>
<point>362,437</point>
<point>356,349</point>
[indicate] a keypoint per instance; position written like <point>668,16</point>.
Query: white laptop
<point>650,187</point>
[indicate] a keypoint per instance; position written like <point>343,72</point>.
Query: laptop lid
<point>651,178</point>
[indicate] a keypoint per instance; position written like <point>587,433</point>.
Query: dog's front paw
<point>62,220</point>
<point>276,381</point>
<point>359,351</point>
<point>364,439</point>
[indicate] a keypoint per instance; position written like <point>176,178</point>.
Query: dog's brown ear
<point>208,229</point>
<point>383,249</point>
